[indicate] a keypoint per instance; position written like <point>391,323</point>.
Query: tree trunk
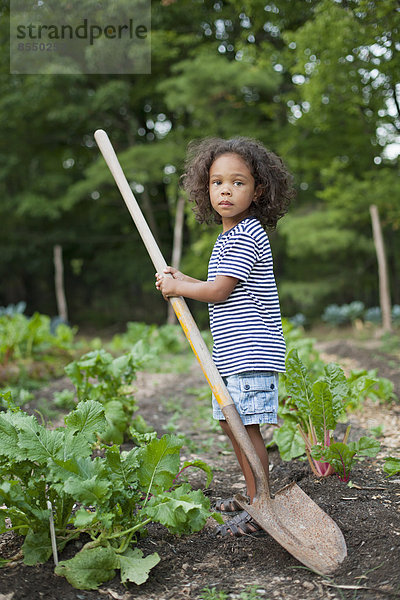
<point>384,292</point>
<point>59,283</point>
<point>177,247</point>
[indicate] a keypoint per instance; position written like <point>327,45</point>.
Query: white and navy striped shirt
<point>247,327</point>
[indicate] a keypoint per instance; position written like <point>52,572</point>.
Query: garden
<point>111,466</point>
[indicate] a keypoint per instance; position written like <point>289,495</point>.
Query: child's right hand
<point>160,281</point>
<point>174,272</point>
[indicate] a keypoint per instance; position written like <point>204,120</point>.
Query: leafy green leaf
<point>88,419</point>
<point>298,384</point>
<point>36,547</point>
<point>180,510</point>
<point>74,373</point>
<point>322,410</point>
<point>8,436</point>
<point>289,441</point>
<point>89,568</point>
<point>84,517</point>
<point>40,443</point>
<point>136,568</point>
<point>339,455</point>
<point>140,425</point>
<point>366,446</point>
<point>338,386</point>
<point>88,491</point>
<point>94,359</point>
<point>76,445</point>
<point>124,465</point>
<point>392,466</point>
<point>117,420</point>
<point>200,464</point>
<point>159,463</point>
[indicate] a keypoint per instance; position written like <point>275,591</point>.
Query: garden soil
<point>253,567</point>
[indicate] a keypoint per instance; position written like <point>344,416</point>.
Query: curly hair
<point>272,180</point>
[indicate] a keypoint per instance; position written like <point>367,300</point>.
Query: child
<point>244,187</point>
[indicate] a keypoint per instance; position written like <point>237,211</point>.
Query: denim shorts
<point>255,394</point>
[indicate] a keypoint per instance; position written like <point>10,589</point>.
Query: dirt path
<point>368,515</point>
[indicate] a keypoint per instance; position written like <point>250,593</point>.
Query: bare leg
<point>259,446</point>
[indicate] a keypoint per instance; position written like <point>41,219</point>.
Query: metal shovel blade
<point>298,524</point>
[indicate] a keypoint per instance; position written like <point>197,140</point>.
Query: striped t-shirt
<point>247,327</point>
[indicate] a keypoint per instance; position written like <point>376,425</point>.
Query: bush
<point>348,313</point>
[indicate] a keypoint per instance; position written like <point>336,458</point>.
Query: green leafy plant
<point>100,377</point>
<point>340,456</point>
<point>164,339</point>
<point>392,466</point>
<point>111,497</point>
<point>311,413</point>
<point>31,349</point>
<point>159,343</point>
<point>25,337</point>
<point>213,594</point>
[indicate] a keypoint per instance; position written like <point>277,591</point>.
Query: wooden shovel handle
<point>184,316</point>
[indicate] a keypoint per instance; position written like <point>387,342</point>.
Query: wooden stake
<point>59,283</point>
<point>52,533</point>
<point>384,292</point>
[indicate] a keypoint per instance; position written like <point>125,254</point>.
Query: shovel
<point>294,520</point>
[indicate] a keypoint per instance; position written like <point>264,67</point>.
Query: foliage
<point>165,339</point>
<point>392,466</point>
<point>111,496</point>
<point>29,337</point>
<point>348,313</point>
<point>252,593</point>
<point>311,412</point>
<point>374,315</point>
<point>305,346</point>
<point>100,377</point>
<point>298,320</point>
<point>13,309</point>
<point>159,344</point>
<point>32,348</point>
<point>340,455</point>
<point>315,81</point>
<point>381,390</point>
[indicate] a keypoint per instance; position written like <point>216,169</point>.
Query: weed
<point>212,594</point>
<point>377,431</point>
<point>252,593</point>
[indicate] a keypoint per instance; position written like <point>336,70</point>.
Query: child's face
<point>232,189</point>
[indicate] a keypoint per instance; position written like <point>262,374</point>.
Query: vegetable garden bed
<point>201,565</point>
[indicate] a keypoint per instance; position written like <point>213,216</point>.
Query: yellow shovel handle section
<point>201,352</point>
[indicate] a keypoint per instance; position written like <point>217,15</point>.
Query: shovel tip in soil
<point>299,525</point>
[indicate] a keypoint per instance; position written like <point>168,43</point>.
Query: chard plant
<point>111,497</point>
<point>311,411</point>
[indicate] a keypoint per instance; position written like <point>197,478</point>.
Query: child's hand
<point>166,285</point>
<point>175,273</point>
